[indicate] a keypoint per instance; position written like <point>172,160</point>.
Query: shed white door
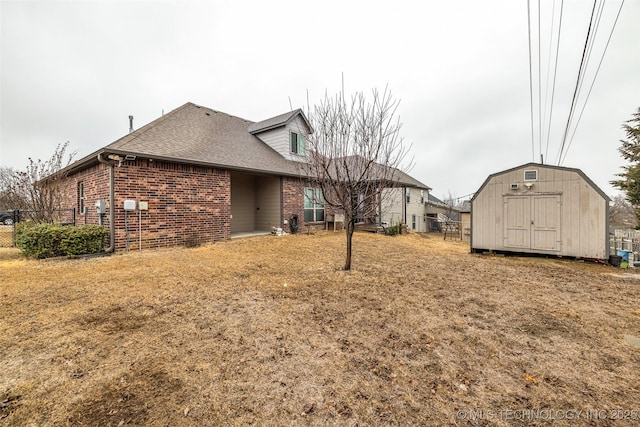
<point>517,222</point>
<point>532,222</point>
<point>545,222</point>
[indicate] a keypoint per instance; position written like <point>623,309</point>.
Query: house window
<point>421,196</point>
<point>531,175</point>
<point>413,222</point>
<point>313,205</point>
<point>407,195</point>
<point>81,197</point>
<point>297,143</point>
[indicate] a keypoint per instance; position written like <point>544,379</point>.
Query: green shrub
<point>47,240</point>
<point>87,239</point>
<point>395,229</point>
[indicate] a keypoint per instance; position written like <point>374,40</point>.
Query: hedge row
<point>47,240</point>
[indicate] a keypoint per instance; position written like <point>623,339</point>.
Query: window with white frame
<point>421,196</point>
<point>413,222</point>
<point>407,195</point>
<point>296,143</point>
<point>313,205</point>
<point>531,175</point>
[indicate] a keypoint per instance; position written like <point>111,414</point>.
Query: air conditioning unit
<point>515,186</point>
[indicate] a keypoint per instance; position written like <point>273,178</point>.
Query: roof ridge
<point>139,132</point>
<point>277,121</point>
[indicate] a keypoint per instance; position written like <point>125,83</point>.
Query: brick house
<point>196,175</point>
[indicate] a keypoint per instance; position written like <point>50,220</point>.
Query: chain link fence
<point>10,219</point>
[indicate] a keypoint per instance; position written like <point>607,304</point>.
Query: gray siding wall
<point>267,202</point>
<point>415,207</point>
<point>255,202</point>
<point>278,138</point>
<point>582,218</point>
<point>243,205</point>
<point>393,207</point>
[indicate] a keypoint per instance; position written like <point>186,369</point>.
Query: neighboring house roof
<point>198,135</point>
<point>435,202</point>
<point>538,165</point>
<point>409,181</point>
<point>355,165</point>
<point>278,121</point>
<point>433,199</point>
<point>465,207</point>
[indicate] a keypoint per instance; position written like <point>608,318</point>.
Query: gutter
<point>112,225</point>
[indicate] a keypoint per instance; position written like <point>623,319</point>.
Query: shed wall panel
<point>568,214</point>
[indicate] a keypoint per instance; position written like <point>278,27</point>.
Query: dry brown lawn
<point>270,331</point>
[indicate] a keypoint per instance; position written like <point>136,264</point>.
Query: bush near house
<point>395,229</point>
<point>48,240</point>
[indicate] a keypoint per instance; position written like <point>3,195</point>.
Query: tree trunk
<point>350,229</point>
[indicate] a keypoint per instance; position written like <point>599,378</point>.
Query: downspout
<point>112,225</point>
<point>404,205</point>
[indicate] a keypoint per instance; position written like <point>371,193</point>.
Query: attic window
<point>297,143</point>
<point>531,175</point>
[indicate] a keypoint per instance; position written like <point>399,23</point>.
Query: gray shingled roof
<point>276,122</point>
<point>200,135</point>
<point>196,134</point>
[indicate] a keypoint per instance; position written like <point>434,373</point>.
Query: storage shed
<point>541,209</point>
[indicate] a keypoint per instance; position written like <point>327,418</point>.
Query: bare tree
<point>354,152</point>
<point>621,213</point>
<point>7,178</point>
<point>37,189</point>
<point>450,224</point>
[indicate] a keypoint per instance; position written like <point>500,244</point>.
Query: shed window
<point>531,175</point>
<point>313,205</point>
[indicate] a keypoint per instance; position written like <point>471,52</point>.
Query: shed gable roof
<point>538,165</point>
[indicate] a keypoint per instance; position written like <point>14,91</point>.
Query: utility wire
<point>575,92</point>
<point>539,88</point>
<point>592,39</point>
<point>594,80</point>
<point>546,85</point>
<point>555,72</point>
<point>533,146</point>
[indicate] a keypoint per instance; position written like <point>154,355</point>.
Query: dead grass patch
<point>269,330</point>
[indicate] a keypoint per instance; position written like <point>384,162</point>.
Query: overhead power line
<point>533,146</point>
<point>555,72</point>
<point>593,81</point>
<point>578,79</point>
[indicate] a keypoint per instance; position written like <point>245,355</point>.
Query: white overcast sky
<point>75,70</point>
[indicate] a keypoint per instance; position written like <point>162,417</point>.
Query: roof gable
<point>194,134</point>
<point>279,121</point>
<point>539,165</point>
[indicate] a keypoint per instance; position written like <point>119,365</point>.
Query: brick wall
<point>188,205</point>
<point>95,181</point>
<point>293,202</point>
